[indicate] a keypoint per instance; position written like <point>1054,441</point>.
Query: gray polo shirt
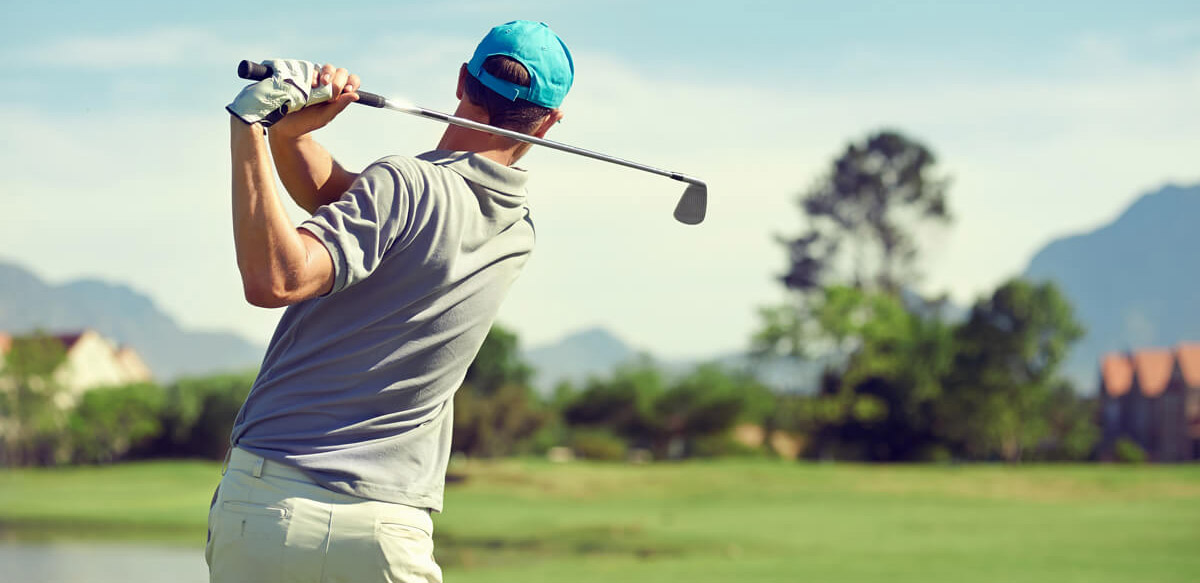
<point>356,389</point>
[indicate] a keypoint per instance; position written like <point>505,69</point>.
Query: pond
<point>95,562</point>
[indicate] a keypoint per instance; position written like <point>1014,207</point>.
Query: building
<point>92,361</point>
<point>1151,397</point>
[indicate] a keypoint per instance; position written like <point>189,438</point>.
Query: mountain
<point>595,352</point>
<point>121,314</point>
<point>1134,282</point>
<point>591,352</point>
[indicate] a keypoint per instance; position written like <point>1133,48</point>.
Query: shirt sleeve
<point>359,228</point>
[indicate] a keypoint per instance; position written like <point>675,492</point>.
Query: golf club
<point>691,207</point>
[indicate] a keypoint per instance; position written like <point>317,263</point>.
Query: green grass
<point>161,501</point>
<point>528,520</point>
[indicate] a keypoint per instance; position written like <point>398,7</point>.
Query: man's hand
<point>312,177</point>
<point>338,86</point>
<point>292,87</point>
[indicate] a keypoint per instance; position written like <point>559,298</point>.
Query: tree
<point>495,410</point>
<point>862,215</point>
<point>1071,424</point>
<point>198,415</point>
<point>880,404</point>
<point>705,405</point>
<point>998,399</point>
<point>498,363</point>
<point>108,423</point>
<point>32,415</point>
<point>862,219</point>
<point>623,403</point>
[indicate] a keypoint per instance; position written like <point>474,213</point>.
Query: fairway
<point>753,520</point>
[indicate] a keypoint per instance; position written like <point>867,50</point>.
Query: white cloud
<point>160,46</point>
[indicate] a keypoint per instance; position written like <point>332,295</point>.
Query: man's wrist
<point>283,136</point>
<point>238,124</point>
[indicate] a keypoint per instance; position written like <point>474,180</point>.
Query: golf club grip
<point>258,71</point>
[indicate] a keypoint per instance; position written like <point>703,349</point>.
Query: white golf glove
<point>289,89</point>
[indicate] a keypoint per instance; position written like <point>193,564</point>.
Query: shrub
<point>1129,452</point>
<point>723,445</point>
<point>598,444</point>
<point>199,414</point>
<point>108,423</point>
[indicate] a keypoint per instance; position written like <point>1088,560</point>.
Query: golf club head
<point>692,205</point>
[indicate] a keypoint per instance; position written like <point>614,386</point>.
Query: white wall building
<point>92,361</point>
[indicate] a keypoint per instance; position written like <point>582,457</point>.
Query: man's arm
<point>310,174</point>
<point>280,264</point>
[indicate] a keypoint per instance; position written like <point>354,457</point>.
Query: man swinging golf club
<point>339,453</point>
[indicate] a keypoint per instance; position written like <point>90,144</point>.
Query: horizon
<point>601,327</point>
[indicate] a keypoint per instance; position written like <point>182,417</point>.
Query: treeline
<point>906,384</point>
<point>909,387</point>
<point>43,423</point>
<point>637,409</point>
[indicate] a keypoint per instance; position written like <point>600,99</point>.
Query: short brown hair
<point>519,115</point>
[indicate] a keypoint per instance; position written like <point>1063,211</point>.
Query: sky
<point>1049,118</point>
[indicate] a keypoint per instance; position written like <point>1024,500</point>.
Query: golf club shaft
<point>256,72</point>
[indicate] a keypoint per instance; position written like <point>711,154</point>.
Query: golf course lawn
<point>731,520</point>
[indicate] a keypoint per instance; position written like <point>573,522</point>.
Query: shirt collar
<point>480,170</point>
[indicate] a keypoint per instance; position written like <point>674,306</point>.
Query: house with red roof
<point>92,361</point>
<point>1151,397</point>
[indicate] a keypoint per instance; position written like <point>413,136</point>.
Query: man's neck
<point>493,147</point>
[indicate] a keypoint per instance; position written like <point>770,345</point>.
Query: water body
<point>93,562</point>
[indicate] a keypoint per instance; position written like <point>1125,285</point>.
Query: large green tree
<point>862,225</point>
<point>863,216</point>
<point>848,273</point>
<point>1001,396</point>
<point>880,403</point>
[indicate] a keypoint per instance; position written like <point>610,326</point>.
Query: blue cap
<point>545,56</point>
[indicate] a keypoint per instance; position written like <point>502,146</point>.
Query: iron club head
<point>692,205</point>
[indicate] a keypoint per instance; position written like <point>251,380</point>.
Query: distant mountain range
<point>119,313</point>
<point>1134,283</point>
<point>595,352</point>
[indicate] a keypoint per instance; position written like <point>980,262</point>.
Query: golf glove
<point>288,89</point>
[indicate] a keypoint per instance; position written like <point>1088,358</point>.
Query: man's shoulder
<point>409,173</point>
<point>405,164</point>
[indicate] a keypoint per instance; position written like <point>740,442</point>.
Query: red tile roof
<point>69,340</point>
<point>1116,374</point>
<point>1188,357</point>
<point>1152,370</point>
<point>5,343</point>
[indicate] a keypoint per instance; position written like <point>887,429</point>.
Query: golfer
<point>339,453</point>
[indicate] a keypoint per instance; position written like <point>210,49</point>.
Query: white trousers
<point>270,523</point>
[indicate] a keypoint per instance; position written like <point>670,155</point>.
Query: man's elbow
<point>265,293</point>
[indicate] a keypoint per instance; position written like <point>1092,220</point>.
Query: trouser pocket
<point>406,553</point>
<point>247,541</point>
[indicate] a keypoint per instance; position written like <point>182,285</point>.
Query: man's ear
<point>462,82</point>
<point>555,116</point>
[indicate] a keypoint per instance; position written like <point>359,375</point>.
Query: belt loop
<point>258,467</point>
<point>225,464</point>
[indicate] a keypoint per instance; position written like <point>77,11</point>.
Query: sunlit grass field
<point>731,520</point>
